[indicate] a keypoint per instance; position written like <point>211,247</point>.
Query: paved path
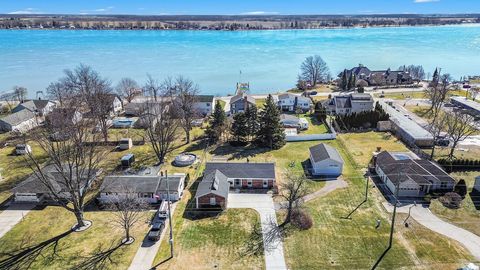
<point>329,187</point>
<point>263,204</point>
<point>12,215</point>
<point>146,253</point>
<point>424,216</point>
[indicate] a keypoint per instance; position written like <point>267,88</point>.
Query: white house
<point>40,107</point>
<point>290,102</point>
<point>203,104</point>
<point>348,104</point>
<point>116,104</point>
<point>33,189</point>
<point>326,161</point>
<point>410,176</point>
<point>291,121</point>
<point>21,121</point>
<point>152,188</point>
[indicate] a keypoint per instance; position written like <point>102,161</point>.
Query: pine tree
<point>271,133</point>
<point>344,81</point>
<point>239,127</point>
<point>217,123</point>
<point>252,121</point>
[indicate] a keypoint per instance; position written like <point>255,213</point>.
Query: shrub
<point>461,188</point>
<point>301,220</point>
<point>451,200</point>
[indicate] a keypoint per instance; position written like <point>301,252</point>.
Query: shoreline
<point>249,30</point>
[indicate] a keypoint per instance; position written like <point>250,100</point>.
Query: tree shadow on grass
<point>100,258</point>
<point>475,196</point>
<point>238,152</point>
<point>23,258</point>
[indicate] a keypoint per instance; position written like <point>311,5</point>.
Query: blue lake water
<point>269,60</point>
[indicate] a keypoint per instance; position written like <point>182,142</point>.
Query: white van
<point>125,144</point>
<point>163,209</point>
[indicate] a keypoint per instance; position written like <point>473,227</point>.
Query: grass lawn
<point>334,242</point>
<point>467,216</point>
<point>212,242</point>
<point>362,145</point>
<point>75,248</point>
<point>314,126</point>
<point>403,95</point>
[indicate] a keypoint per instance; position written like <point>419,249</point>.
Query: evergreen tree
<point>320,112</point>
<point>217,123</point>
<point>271,133</point>
<point>240,127</point>
<point>344,81</point>
<point>252,121</point>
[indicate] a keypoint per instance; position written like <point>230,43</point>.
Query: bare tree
<point>474,92</point>
<point>84,85</point>
<point>459,126</point>
<point>73,164</point>
<point>185,95</point>
<point>437,93</point>
<point>58,92</point>
<point>20,93</point>
<point>292,189</point>
<point>161,127</point>
<point>314,70</point>
<point>416,71</point>
<point>127,209</point>
<point>127,88</point>
<point>152,87</point>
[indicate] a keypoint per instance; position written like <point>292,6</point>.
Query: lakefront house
<point>378,77</point>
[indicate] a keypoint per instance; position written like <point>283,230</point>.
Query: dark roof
<point>33,184</point>
<point>323,151</point>
<point>18,117</point>
<point>204,98</point>
<point>213,182</point>
<point>343,102</point>
<point>32,105</point>
<point>140,183</point>
<point>421,171</point>
<point>237,98</point>
<point>242,170</point>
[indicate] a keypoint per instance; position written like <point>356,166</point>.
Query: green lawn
<point>75,248</point>
<point>334,242</point>
<point>314,126</point>
<point>467,216</point>
<point>403,95</point>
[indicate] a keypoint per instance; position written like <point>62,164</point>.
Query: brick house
<point>219,177</point>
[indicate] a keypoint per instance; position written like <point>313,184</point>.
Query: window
<point>238,182</point>
<point>208,104</point>
<point>265,183</point>
<point>213,201</point>
<point>249,183</point>
<point>443,185</point>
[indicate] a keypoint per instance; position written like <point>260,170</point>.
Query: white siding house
<point>326,161</point>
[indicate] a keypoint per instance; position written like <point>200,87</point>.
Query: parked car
<point>23,149</point>
<point>156,230</point>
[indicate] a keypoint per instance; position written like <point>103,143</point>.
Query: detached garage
<point>326,161</point>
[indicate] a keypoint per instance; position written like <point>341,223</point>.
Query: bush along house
<point>219,178</point>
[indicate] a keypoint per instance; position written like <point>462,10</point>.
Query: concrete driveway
<point>263,204</point>
<point>12,215</point>
<point>424,216</point>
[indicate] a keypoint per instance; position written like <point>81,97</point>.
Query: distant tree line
<point>221,22</point>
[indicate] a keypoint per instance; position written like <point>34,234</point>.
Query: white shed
<point>326,161</point>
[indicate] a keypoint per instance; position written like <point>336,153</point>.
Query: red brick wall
<point>204,201</point>
<point>256,183</point>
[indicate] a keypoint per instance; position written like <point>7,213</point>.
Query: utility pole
<point>392,226</point>
<point>169,215</point>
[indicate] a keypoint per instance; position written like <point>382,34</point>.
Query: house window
<point>265,183</point>
<point>249,183</point>
<point>208,104</point>
<point>443,185</point>
<point>213,201</point>
<point>237,182</point>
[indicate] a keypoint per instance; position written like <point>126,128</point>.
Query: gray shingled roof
<point>139,183</point>
<point>242,170</point>
<point>237,98</point>
<point>204,98</point>
<point>323,151</point>
<point>421,171</point>
<point>18,117</point>
<point>34,185</point>
<point>213,182</point>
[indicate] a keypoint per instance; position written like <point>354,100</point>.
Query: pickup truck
<point>156,230</point>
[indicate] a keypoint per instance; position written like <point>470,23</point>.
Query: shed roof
<point>324,151</point>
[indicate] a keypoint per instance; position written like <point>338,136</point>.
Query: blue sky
<point>237,7</point>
